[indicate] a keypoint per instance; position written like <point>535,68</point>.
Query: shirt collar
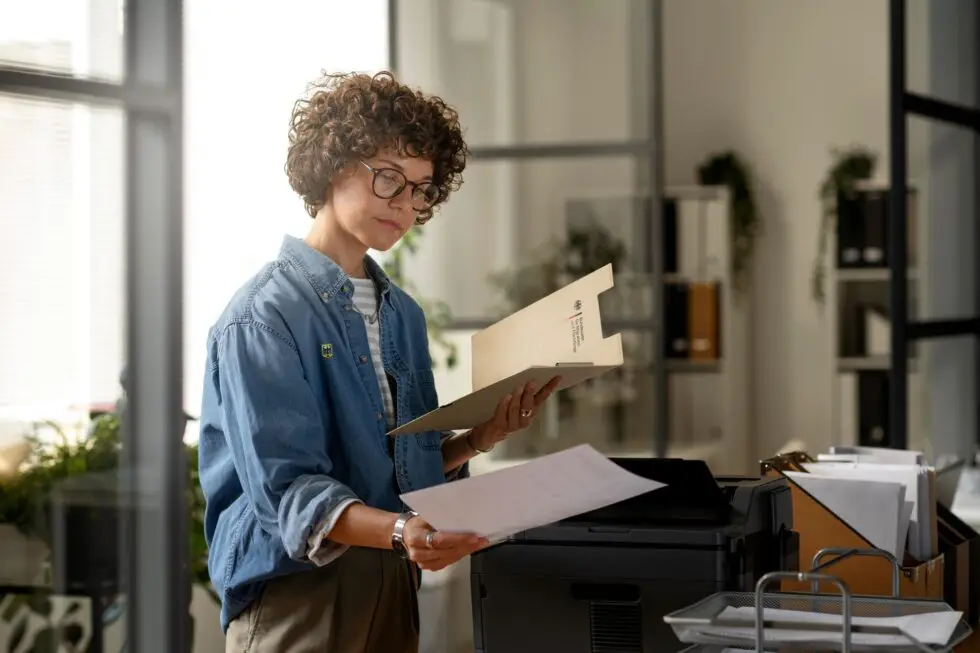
<point>326,277</point>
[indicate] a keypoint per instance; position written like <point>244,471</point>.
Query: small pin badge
<point>326,350</point>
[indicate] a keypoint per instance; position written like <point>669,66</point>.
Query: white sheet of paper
<point>934,628</point>
<point>913,477</point>
<point>538,492</point>
<point>880,455</point>
<point>875,509</point>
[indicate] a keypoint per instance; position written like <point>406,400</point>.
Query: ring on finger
<point>428,539</point>
<point>525,412</point>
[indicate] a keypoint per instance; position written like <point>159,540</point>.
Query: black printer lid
<point>691,496</point>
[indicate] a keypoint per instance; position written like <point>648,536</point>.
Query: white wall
<point>518,73</point>
<point>242,76</point>
<point>781,82</point>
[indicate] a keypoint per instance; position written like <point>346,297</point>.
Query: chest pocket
<point>423,399</point>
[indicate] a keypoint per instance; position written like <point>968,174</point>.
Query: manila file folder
<point>559,335</point>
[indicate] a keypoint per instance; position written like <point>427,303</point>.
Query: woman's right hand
<point>445,549</point>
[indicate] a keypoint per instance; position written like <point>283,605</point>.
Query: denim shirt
<point>292,423</point>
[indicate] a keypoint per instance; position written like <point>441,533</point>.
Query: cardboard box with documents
<point>866,498</point>
<point>559,335</point>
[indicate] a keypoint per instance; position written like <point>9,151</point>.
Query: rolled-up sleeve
<point>274,430</point>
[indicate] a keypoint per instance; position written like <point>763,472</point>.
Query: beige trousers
<point>364,602</point>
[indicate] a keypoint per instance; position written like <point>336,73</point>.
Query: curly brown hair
<point>353,116</point>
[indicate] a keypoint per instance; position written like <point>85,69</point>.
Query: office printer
<point>601,582</point>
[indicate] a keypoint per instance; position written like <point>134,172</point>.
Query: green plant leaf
<point>850,166</point>
<point>17,634</point>
<point>74,607</point>
<point>39,604</point>
<point>727,169</point>
<point>73,633</point>
<point>437,314</point>
<point>46,641</point>
<point>17,601</point>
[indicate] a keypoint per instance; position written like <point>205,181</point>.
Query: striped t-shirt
<point>366,303</point>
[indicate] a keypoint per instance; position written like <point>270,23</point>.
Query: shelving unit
<point>859,297</point>
<point>642,147</point>
<point>702,332</point>
<point>708,396</point>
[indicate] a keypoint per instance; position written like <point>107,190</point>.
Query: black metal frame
<point>154,477</point>
<point>902,104</point>
<point>648,150</point>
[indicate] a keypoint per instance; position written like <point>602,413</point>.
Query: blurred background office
<point>698,146</point>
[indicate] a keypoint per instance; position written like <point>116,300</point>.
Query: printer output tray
<point>691,505</point>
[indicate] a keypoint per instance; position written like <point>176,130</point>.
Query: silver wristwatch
<point>398,533</point>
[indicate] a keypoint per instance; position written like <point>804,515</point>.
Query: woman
<point>313,361</point>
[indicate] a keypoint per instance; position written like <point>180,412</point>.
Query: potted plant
<point>56,461</point>
<point>583,250</point>
<point>727,169</point>
<point>438,316</point>
<point>850,166</point>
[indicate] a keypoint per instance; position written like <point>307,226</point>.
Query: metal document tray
<point>689,623</point>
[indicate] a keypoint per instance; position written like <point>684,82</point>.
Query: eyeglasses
<point>388,183</point>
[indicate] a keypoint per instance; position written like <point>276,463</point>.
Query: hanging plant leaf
<point>437,313</point>
<point>727,169</point>
<point>17,635</point>
<point>850,166</point>
<point>46,641</point>
<point>39,604</point>
<point>14,604</point>
<point>73,633</point>
<point>72,608</point>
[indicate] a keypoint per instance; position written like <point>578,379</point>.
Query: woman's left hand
<point>516,411</point>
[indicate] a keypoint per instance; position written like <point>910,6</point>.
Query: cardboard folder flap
<point>478,407</point>
<point>876,511</point>
<point>812,515</point>
<point>565,326</point>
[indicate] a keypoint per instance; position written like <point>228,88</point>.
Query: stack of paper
<point>535,493</point>
<point>887,496</point>
<point>876,455</point>
<point>877,510</point>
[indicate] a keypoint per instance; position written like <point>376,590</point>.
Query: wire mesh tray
<point>702,623</point>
